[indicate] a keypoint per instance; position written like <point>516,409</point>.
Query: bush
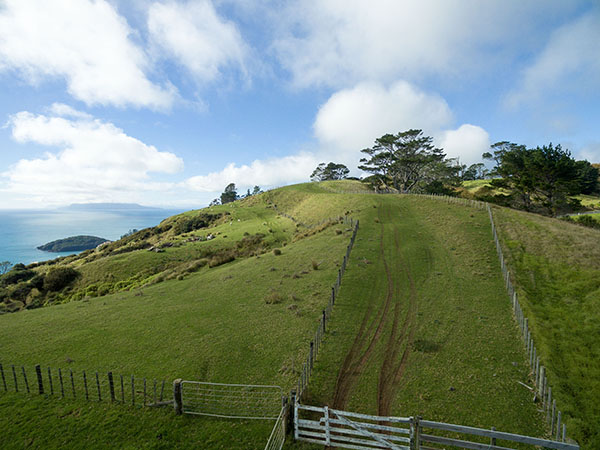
<point>315,265</point>
<point>587,221</point>
<point>221,258</point>
<point>273,298</point>
<point>18,273</point>
<point>58,278</point>
<point>276,251</point>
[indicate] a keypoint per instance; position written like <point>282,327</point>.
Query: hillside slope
<point>557,274</point>
<point>422,277</point>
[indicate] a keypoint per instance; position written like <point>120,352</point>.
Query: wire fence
<point>315,343</point>
<point>542,390</point>
<point>234,401</point>
<point>92,386</point>
<point>277,437</point>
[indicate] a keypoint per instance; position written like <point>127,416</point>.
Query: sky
<point>164,103</point>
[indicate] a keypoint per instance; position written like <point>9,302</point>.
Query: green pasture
<point>251,320</point>
<point>557,274</point>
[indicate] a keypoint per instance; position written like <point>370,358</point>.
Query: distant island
<point>108,207</point>
<point>73,244</point>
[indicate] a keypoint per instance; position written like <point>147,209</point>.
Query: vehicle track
<point>357,359</point>
<point>399,343</point>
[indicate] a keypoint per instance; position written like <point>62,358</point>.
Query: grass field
<point>422,317</point>
<point>434,338</point>
<point>558,276</point>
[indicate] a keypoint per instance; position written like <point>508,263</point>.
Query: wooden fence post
<point>87,395</point>
<point>111,386</point>
<point>177,402</point>
<point>558,425</point>
<point>493,439</point>
<point>324,319</point>
<point>38,372</point>
<point>98,386</point>
<point>311,354</point>
<point>122,390</point>
<point>50,380</point>
<point>3,378</point>
<point>62,388</point>
<point>15,378</point>
<point>25,378</point>
<point>72,382</point>
<point>290,425</point>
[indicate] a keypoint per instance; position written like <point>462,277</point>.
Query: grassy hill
<point>422,324</point>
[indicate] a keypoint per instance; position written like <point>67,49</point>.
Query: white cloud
<point>62,110</point>
<point>352,119</point>
<point>195,36</point>
<point>590,152</point>
<point>265,173</point>
<point>96,161</point>
<point>342,42</point>
<point>569,62</point>
<point>86,43</point>
<point>468,143</point>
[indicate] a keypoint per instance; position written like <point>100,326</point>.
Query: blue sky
<point>166,102</point>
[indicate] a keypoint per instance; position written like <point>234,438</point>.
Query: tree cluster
<point>542,177</point>
<point>331,171</point>
<point>409,162</point>
<point>230,195</point>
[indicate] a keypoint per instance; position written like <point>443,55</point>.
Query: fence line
<point>343,429</point>
<point>542,390</point>
<point>93,386</point>
<point>315,344</point>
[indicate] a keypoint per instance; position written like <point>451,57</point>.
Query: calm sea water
<point>22,231</point>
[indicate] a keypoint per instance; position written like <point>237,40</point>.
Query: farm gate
<point>235,401</point>
<point>343,429</point>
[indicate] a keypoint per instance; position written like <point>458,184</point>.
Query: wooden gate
<point>343,429</point>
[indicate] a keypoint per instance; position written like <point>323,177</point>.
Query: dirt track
<point>369,337</point>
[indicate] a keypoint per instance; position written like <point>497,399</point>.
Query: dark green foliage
<point>188,224</point>
<point>21,291</point>
<point>229,194</point>
<point>73,244</point>
<point>541,178</point>
<point>586,220</point>
<point>221,258</point>
<point>331,171</point>
<point>58,278</point>
<point>276,251</point>
<point>409,161</point>
<point>18,273</point>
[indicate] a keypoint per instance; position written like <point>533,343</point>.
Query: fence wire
<point>236,401</point>
<point>93,386</point>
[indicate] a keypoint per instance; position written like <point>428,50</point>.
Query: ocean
<point>22,231</point>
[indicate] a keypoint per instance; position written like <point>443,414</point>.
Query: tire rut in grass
<point>393,366</point>
<point>357,359</point>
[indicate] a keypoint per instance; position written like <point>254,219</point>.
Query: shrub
<point>315,265</point>
<point>276,251</point>
<point>18,273</point>
<point>58,278</point>
<point>587,221</point>
<point>273,298</point>
<point>221,258</point>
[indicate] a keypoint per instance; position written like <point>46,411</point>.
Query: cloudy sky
<point>166,102</point>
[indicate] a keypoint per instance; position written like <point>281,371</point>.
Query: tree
<point>408,160</point>
<point>4,267</point>
<point>474,172</point>
<point>331,171</point>
<point>229,194</point>
<point>256,190</point>
<point>542,176</point>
